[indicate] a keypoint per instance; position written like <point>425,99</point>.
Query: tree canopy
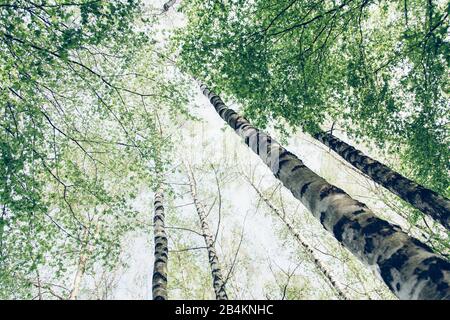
<point>100,129</point>
<point>376,68</point>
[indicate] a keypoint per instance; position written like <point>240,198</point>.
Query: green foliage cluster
<point>78,139</point>
<point>377,68</point>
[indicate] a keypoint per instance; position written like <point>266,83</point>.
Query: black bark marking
<point>358,212</point>
<point>368,246</point>
<point>158,275</point>
<point>304,188</point>
<point>349,153</point>
<point>342,224</point>
<point>338,228</point>
<point>215,99</point>
<point>422,245</point>
<point>434,272</point>
<point>257,142</point>
<point>297,167</point>
<point>329,190</point>
<point>378,226</point>
<point>323,216</point>
<point>239,123</point>
<point>282,163</point>
<point>396,261</point>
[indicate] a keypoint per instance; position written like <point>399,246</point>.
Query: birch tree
<point>217,277</point>
<point>379,69</point>
<point>168,4</point>
<point>426,200</point>
<point>407,266</point>
<point>159,283</point>
<point>305,246</point>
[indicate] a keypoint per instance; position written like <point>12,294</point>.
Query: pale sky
<point>210,143</point>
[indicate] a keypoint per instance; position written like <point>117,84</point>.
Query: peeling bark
<point>218,283</point>
<point>409,267</point>
<point>306,247</point>
<point>159,281</point>
<point>426,200</point>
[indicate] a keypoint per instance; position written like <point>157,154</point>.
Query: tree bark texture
<point>409,267</point>
<point>426,200</point>
<point>218,283</point>
<point>168,4</point>
<point>305,246</point>
<point>159,280</point>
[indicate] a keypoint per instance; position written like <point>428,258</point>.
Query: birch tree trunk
<point>168,4</point>
<point>305,246</point>
<point>409,267</point>
<point>426,200</point>
<point>218,283</point>
<point>85,253</point>
<point>159,280</point>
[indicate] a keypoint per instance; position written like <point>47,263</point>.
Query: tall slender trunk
<point>407,266</point>
<point>168,4</point>
<point>306,247</point>
<point>78,277</point>
<point>85,253</point>
<point>159,280</point>
<point>218,283</point>
<point>426,200</point>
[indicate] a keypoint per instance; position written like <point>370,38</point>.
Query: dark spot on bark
<point>322,217</point>
<point>239,123</point>
<point>215,99</point>
<point>368,246</point>
<point>304,188</point>
<point>285,153</point>
<point>329,190</point>
<point>297,167</point>
<point>244,126</point>
<point>435,272</point>
<point>232,121</point>
<point>376,225</point>
<point>160,241</point>
<point>159,275</point>
<point>257,142</point>
<point>228,114</point>
<point>360,204</point>
<point>221,112</point>
<point>349,152</point>
<point>357,212</point>
<point>421,245</point>
<point>393,180</point>
<point>158,217</point>
<point>437,210</point>
<point>162,259</point>
<point>342,224</point>
<point>365,168</point>
<point>282,163</point>
<point>398,286</point>
<point>396,261</point>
